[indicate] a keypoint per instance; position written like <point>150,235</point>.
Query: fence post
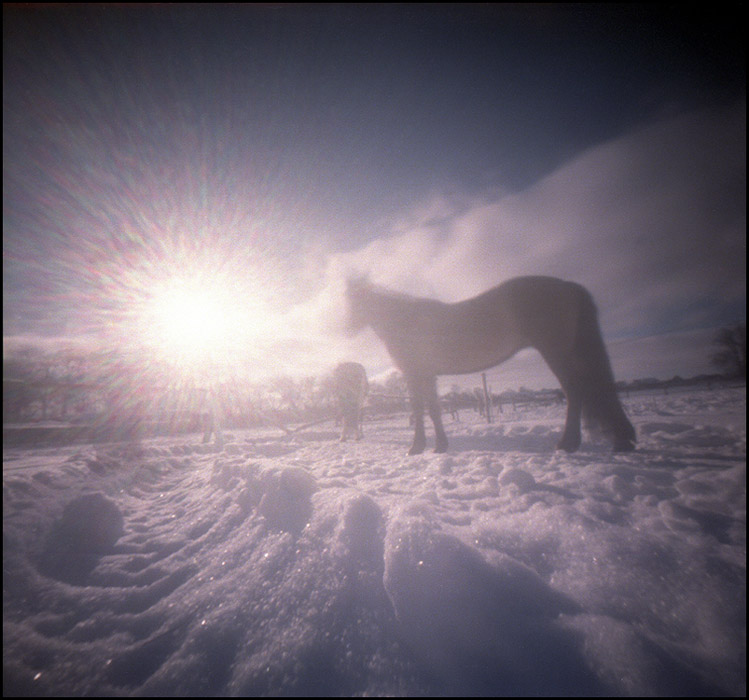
<point>487,399</point>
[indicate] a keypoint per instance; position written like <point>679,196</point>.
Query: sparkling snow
<point>298,565</point>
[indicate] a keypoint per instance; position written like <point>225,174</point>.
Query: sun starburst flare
<point>201,326</point>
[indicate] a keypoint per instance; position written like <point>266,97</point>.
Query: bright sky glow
<point>440,149</point>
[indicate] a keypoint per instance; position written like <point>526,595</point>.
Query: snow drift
<point>298,565</point>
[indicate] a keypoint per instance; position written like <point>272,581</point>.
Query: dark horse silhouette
<point>427,338</point>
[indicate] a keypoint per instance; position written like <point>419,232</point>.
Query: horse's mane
<point>365,285</point>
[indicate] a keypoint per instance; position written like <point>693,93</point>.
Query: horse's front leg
<point>416,391</point>
<point>359,428</point>
<point>435,413</point>
<point>570,439</point>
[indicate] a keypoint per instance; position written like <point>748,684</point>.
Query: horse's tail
<point>601,407</point>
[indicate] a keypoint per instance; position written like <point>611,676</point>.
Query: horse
<point>427,338</point>
<point>210,416</point>
<point>350,386</point>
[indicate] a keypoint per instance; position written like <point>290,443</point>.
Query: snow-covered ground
<point>297,565</point>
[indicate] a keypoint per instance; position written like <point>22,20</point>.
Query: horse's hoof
<point>568,445</point>
<point>415,451</point>
<point>624,446</point>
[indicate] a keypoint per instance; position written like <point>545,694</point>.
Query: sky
<point>267,152</point>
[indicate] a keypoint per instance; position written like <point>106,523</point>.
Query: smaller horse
<point>350,387</point>
<point>210,416</point>
<point>427,338</point>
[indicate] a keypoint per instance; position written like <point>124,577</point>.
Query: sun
<point>200,324</point>
<point>192,321</point>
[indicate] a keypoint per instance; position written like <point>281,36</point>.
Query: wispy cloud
<point>649,222</point>
<point>653,223</point>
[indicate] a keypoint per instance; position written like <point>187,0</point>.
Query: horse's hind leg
<point>621,431</point>
<point>435,414</point>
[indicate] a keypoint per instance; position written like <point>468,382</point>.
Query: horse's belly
<point>467,364</point>
<point>474,354</point>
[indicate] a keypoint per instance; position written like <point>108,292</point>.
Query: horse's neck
<point>408,327</point>
<point>390,316</point>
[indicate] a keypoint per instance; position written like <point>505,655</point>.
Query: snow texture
<point>298,565</point>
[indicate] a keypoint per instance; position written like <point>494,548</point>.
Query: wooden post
<point>487,399</point>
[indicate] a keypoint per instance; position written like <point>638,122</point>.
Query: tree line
<point>99,386</point>
<point>111,386</point>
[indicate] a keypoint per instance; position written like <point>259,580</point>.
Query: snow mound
<point>360,532</point>
<point>285,503</point>
<point>456,610</point>
<point>89,527</point>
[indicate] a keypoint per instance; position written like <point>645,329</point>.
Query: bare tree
<point>731,355</point>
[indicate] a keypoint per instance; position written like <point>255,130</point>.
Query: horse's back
<point>536,291</point>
